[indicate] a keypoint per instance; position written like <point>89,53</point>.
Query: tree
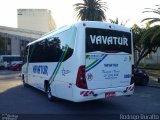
<point>91,10</point>
<point>152,20</point>
<point>147,40</point>
<point>116,21</point>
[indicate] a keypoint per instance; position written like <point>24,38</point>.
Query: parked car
<point>2,67</point>
<point>141,77</point>
<point>16,66</point>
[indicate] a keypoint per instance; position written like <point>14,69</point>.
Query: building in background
<point>35,19</point>
<point>32,24</point>
<point>16,39</point>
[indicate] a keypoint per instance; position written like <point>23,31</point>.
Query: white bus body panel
<point>108,73</point>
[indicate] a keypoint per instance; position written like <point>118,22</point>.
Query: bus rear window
<point>108,41</point>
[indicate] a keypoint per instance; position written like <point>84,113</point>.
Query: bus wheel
<point>24,83</point>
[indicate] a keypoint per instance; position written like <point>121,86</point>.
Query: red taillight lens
<point>81,78</point>
<point>132,78</point>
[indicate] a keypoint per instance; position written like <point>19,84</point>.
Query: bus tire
<point>128,95</point>
<point>49,94</point>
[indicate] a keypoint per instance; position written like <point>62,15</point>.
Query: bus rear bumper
<point>80,95</point>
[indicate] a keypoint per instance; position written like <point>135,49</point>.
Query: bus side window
<point>67,38</point>
<point>52,48</point>
<point>30,56</point>
<point>25,55</point>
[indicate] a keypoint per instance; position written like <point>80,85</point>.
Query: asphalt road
<point>17,99</point>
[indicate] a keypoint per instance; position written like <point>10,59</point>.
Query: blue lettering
<point>110,65</point>
<point>127,76</point>
<point>40,69</point>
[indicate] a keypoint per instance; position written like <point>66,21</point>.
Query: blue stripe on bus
<point>96,64</point>
<point>57,66</point>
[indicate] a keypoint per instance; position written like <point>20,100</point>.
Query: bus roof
<point>95,24</point>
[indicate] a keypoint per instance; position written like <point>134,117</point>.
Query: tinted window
<point>58,47</point>
<point>36,52</point>
<point>109,41</point>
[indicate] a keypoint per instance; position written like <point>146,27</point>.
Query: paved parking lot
<point>17,99</point>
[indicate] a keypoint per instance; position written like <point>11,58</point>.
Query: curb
<point>153,80</point>
<point>153,84</point>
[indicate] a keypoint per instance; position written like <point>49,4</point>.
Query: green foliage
<point>146,40</point>
<point>151,38</point>
<point>152,20</point>
<point>137,33</point>
<point>91,10</point>
<point>116,21</point>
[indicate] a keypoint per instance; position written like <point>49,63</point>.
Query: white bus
<point>81,62</point>
<point>8,60</point>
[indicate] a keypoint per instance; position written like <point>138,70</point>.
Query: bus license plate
<point>109,94</point>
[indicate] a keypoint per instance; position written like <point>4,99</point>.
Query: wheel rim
<point>49,92</point>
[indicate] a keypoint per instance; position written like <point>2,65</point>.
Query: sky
<point>63,10</point>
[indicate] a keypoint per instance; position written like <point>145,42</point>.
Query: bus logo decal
<point>64,72</point>
<point>110,40</point>
<point>89,76</point>
<point>110,65</point>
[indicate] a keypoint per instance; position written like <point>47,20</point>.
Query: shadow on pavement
<point>28,100</point>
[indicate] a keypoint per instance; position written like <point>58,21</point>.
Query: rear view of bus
<point>108,62</point>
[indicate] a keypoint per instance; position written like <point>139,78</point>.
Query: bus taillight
<point>81,79</point>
